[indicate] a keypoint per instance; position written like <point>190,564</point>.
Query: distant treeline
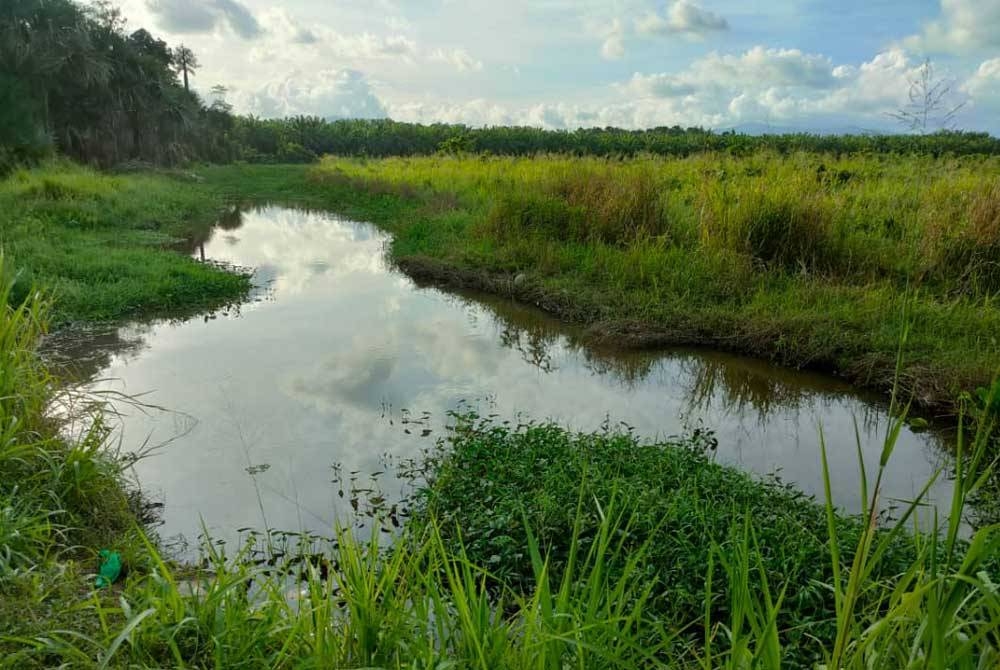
<point>303,138</point>
<point>75,82</point>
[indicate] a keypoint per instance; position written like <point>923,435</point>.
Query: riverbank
<point>104,245</point>
<point>810,261</point>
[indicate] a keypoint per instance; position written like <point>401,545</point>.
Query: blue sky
<point>782,64</point>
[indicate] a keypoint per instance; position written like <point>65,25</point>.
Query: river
<point>341,361</point>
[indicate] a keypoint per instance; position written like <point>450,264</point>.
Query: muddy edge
<point>930,394</point>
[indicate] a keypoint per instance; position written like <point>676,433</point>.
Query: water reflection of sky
<point>312,376</point>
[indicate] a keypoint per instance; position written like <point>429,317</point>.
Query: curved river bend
<point>263,401</point>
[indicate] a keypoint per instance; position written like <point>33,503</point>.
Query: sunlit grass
<point>103,246</point>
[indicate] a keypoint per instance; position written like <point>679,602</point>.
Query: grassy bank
<point>106,247</point>
<point>60,500</point>
<point>809,260</point>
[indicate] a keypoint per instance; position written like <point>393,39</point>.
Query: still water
<point>250,409</point>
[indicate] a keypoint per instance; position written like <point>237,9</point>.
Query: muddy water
<point>256,405</point>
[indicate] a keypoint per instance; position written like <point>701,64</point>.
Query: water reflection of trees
<point>738,387</point>
<point>630,369</point>
<point>535,347</point>
<point>77,354</point>
<point>711,381</point>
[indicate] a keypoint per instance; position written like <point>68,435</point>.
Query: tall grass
<point>856,218</point>
<point>53,492</point>
<point>60,500</point>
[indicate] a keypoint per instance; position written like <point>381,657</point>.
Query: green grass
<point>494,490</point>
<point>60,500</point>
<point>620,554</point>
<point>808,260</point>
<point>106,247</point>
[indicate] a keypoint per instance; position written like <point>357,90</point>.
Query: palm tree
<point>186,62</point>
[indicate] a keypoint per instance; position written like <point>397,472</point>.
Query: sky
<point>818,65</point>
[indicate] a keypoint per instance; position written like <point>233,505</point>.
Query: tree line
<point>75,81</point>
<point>303,138</point>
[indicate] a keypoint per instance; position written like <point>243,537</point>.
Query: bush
<point>519,213</point>
<point>493,481</point>
<point>620,206</point>
<point>786,230</point>
<point>293,152</point>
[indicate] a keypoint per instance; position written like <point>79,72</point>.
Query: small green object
<point>111,568</point>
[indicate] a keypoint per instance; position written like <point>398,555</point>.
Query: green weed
<point>103,246</point>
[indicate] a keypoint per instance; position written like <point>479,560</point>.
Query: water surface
<point>338,349</point>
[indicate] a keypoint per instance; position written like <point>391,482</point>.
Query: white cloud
<point>458,59</point>
<point>757,68</point>
<point>293,46</point>
<point>185,16</point>
<point>660,85</point>
<point>781,86</point>
<point>330,93</point>
<point>681,17</point>
<point>283,27</point>
<point>477,112</point>
<point>771,86</point>
<point>963,26</point>
<point>984,85</point>
<point>613,47</point>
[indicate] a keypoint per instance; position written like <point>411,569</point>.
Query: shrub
<point>620,206</point>
<point>779,228</point>
<point>293,152</point>
<point>518,213</point>
<point>492,481</point>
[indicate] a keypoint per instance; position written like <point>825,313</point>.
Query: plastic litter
<point>110,568</point>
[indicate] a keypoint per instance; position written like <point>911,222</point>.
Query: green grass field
<point>104,246</point>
